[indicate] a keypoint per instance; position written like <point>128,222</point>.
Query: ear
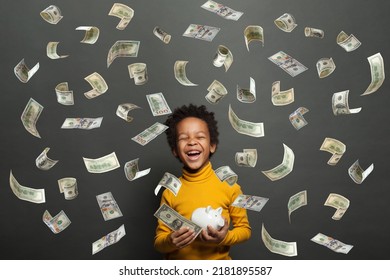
<point>219,210</point>
<point>208,209</point>
<point>213,148</point>
<point>174,152</point>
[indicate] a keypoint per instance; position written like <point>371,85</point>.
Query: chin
<point>194,167</point>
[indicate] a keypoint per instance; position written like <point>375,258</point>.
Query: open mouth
<point>193,155</point>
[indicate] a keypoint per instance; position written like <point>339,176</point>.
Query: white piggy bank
<point>208,216</point>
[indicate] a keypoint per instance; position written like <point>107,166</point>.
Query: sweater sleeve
<point>241,230</point>
<point>161,239</point>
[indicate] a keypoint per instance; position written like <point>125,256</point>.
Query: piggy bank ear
<point>219,210</point>
<point>208,209</point>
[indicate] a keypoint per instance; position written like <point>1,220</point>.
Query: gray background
<point>25,35</point>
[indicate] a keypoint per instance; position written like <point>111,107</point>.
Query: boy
<point>193,137</point>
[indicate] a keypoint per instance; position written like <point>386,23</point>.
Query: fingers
<point>226,225</point>
<point>214,235</point>
<point>204,235</point>
<point>179,232</point>
<point>212,232</point>
<point>182,237</point>
<point>209,235</point>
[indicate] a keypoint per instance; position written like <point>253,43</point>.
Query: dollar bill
<point>51,14</point>
<point>98,84</point>
<point>162,35</point>
<point>339,202</point>
<point>179,70</point>
<point>57,223</point>
<point>281,98</point>
<point>225,173</point>
<point>288,249</point>
<point>325,67</point>
<point>286,22</point>
<point>26,193</point>
<point>125,13</point>
<point>216,92</point>
<point>223,57</point>
<point>51,51</point>
<point>123,111</point>
<point>202,32</point>
<point>340,104</point>
<point>377,73</point>
<point>357,173</point>
<point>347,42</point>
<point>132,171</point>
<point>82,123</point>
<point>222,10</point>
<point>64,95</point>
<point>250,202</point>
<point>296,201</point>
<point>170,182</point>
<point>174,220</point>
<point>30,116</point>
<point>68,186</point>
<point>253,33</point>
<point>314,32</point>
<point>284,168</point>
<point>122,48</point>
<point>23,72</point>
<point>247,95</point>
<point>103,164</point>
<point>91,34</point>
<point>246,158</point>
<point>150,133</point>
<point>108,240</point>
<point>331,243</point>
<point>335,147</point>
<point>334,159</point>
<point>245,127</point>
<point>138,72</point>
<point>43,162</point>
<point>296,118</point>
<point>158,105</point>
<point>287,63</point>
<point>108,206</point>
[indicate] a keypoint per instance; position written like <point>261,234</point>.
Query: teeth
<point>193,153</point>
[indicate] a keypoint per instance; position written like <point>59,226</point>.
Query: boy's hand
<point>213,235</point>
<point>182,237</point>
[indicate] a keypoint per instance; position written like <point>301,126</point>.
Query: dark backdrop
<point>25,35</point>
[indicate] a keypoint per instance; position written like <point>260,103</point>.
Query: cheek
<point>179,147</point>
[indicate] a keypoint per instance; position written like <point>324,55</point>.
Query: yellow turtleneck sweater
<point>202,189</point>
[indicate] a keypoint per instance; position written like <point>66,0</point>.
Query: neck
<point>199,174</point>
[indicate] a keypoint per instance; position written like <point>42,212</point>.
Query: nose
<point>191,141</point>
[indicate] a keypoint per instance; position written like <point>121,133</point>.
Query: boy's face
<point>193,143</point>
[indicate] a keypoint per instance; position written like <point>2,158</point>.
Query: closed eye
<point>201,136</point>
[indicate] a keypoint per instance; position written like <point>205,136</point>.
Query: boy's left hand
<point>213,235</point>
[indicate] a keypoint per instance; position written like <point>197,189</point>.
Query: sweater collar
<point>200,175</point>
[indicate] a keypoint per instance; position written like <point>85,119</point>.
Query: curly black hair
<point>191,110</point>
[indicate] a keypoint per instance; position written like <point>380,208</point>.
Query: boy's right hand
<point>182,237</point>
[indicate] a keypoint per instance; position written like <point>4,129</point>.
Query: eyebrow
<point>197,133</point>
